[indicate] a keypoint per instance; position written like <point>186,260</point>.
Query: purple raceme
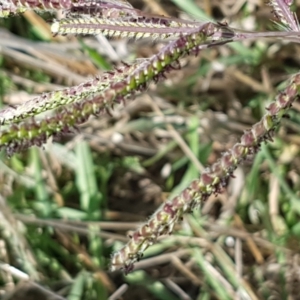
<point>95,96</point>
<point>282,10</point>
<point>53,100</point>
<point>104,7</point>
<point>212,181</point>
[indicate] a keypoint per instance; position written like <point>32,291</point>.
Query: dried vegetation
<point>127,127</point>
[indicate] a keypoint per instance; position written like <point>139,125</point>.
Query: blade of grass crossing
<point>90,198</point>
<point>77,289</point>
<point>216,285</point>
<point>154,287</point>
<point>95,289</point>
<point>227,265</point>
<point>42,205</point>
<point>201,151</point>
<point>191,8</point>
<point>295,201</point>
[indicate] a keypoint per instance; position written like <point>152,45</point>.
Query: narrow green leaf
<point>96,57</point>
<point>77,288</point>
<point>43,204</point>
<point>154,287</point>
<point>191,8</point>
<point>90,198</point>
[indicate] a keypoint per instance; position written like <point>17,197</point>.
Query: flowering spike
<point>131,27</point>
<point>282,10</point>
<point>103,7</point>
<point>53,100</point>
<point>211,181</point>
<point>116,87</point>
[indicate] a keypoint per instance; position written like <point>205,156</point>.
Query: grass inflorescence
<point>230,219</point>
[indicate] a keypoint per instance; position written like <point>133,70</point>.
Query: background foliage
<point>65,208</point>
